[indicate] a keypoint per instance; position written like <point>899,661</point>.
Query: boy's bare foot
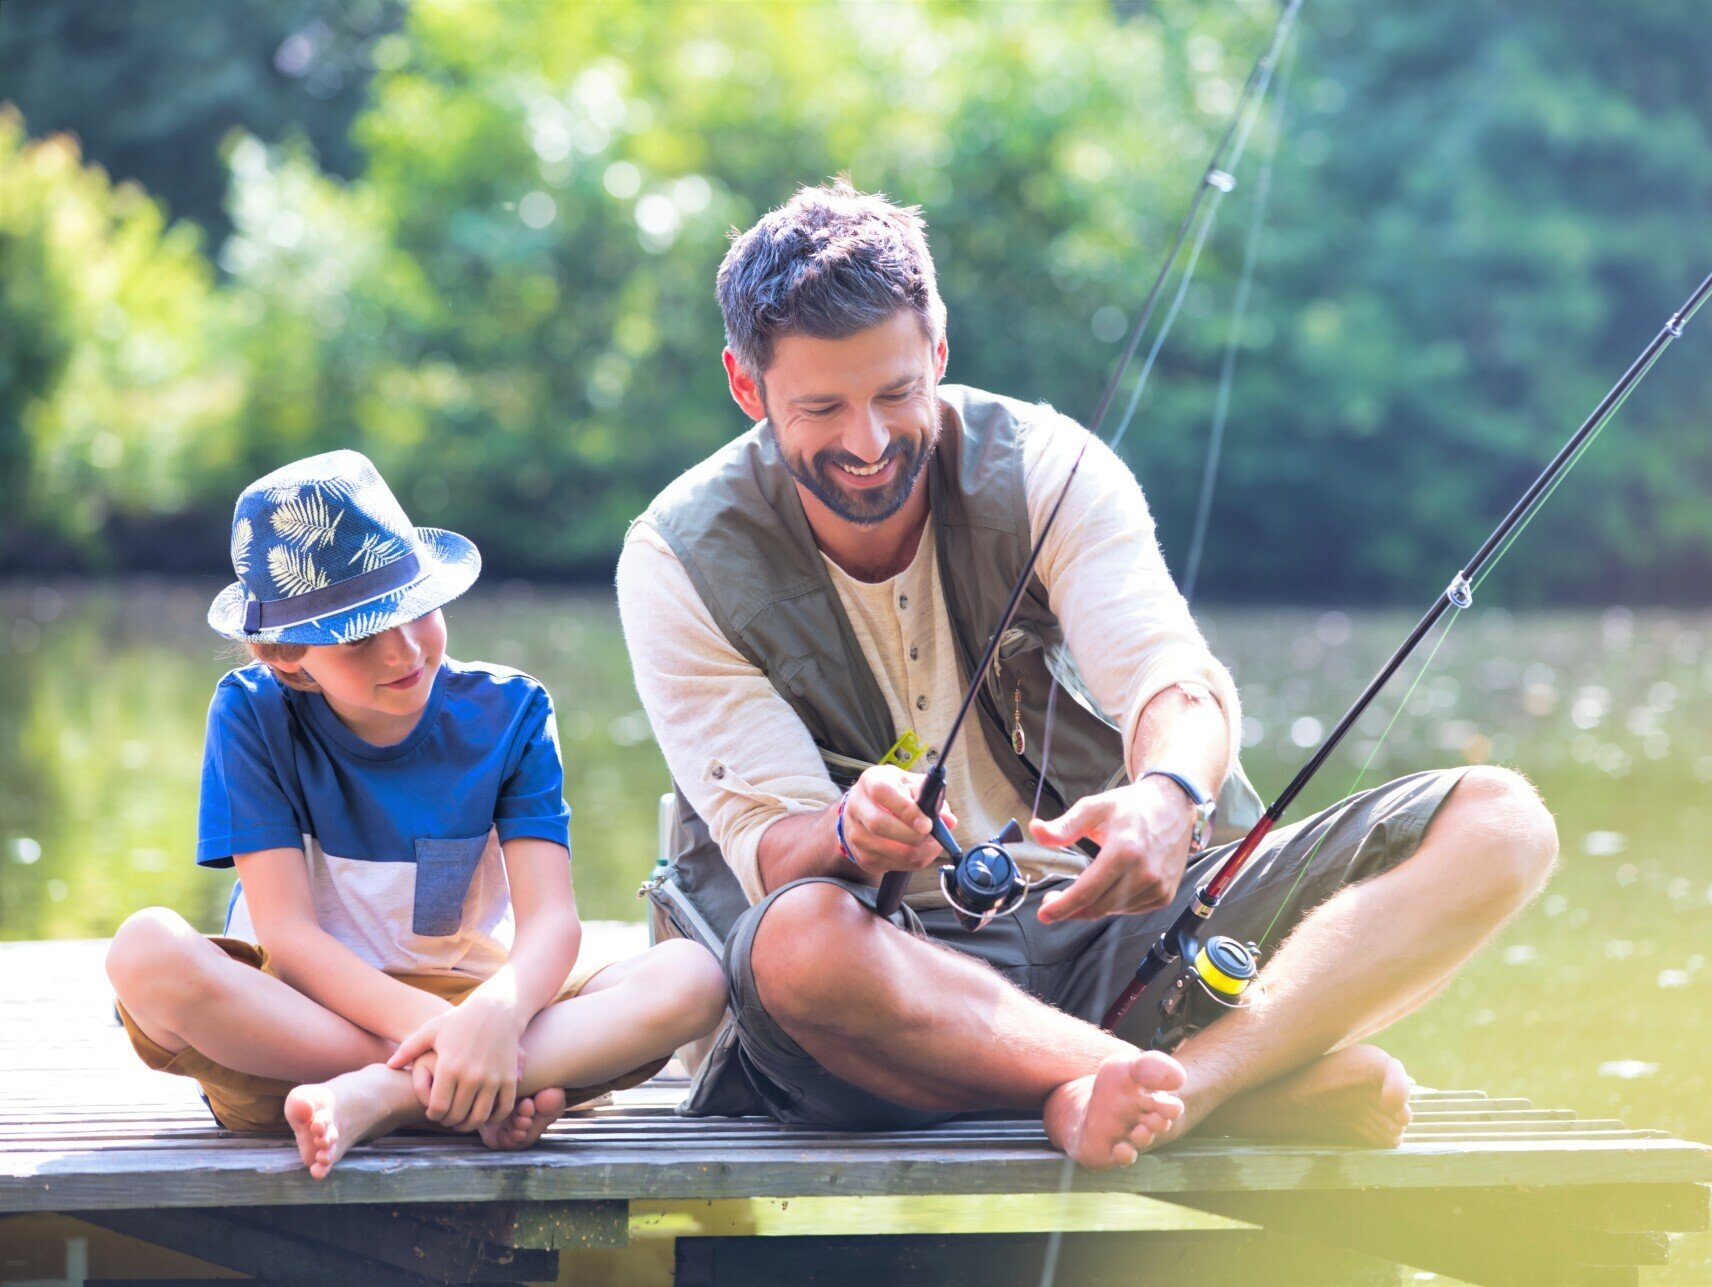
<point>1359,1095</point>
<point>1111,1117</point>
<point>528,1121</point>
<point>328,1117</point>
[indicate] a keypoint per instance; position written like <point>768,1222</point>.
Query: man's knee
<point>1504,826</point>
<point>804,947</point>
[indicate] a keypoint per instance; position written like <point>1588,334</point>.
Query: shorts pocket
<point>444,869</point>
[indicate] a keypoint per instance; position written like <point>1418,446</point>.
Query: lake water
<point>1596,998</point>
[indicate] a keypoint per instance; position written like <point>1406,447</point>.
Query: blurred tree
<point>1478,219</point>
<point>152,87</point>
<point>1482,216</point>
<point>112,383</point>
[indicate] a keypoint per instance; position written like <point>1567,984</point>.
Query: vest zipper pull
<point>1018,743</point>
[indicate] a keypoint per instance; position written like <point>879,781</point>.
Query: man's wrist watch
<point>1204,804</point>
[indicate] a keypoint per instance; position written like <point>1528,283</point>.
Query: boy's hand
<point>477,1063</point>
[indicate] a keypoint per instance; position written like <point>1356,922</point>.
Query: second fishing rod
<point>1216,973</point>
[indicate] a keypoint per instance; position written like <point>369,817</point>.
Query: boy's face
<point>378,686</point>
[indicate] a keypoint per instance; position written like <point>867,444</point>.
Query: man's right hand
<point>884,830</point>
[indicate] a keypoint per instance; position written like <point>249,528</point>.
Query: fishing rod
<point>984,881</point>
<point>1218,972</point>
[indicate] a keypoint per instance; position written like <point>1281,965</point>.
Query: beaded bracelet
<point>838,830</point>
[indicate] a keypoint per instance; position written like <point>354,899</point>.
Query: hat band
<point>353,592</point>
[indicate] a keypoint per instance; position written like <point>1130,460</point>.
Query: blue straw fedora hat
<point>325,555</point>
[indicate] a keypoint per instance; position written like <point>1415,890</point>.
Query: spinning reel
<point>983,881</point>
<point>980,882</point>
<point>1213,980</point>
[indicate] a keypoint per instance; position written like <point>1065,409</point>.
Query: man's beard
<point>868,506</point>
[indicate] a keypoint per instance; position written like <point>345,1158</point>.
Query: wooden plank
<point>400,1239</point>
<point>249,1248</point>
<point>1455,1233</point>
<point>1491,1115</point>
<point>1679,1208</point>
<point>54,1181</point>
<point>548,1226</point>
<point>1190,1259</point>
<point>1525,1127</point>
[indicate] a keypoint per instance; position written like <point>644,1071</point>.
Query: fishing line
<point>1221,182</point>
<point>1181,939</point>
<point>1538,504</point>
<point>1574,460</point>
<point>1218,180</point>
<point>1361,773</point>
<point>1233,343</point>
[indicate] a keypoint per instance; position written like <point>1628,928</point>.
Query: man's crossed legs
<point>845,1019</point>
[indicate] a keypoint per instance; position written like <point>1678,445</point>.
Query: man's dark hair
<point>828,263</point>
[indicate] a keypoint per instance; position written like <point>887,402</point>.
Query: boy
<point>400,944</point>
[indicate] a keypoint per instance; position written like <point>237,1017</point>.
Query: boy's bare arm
<point>549,932</point>
<point>276,888</point>
<point>477,1046</point>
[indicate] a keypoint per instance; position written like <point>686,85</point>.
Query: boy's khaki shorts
<point>246,1102</point>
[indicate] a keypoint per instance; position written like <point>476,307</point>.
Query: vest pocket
<point>444,869</point>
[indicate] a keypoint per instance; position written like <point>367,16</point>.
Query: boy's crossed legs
<point>194,1008</point>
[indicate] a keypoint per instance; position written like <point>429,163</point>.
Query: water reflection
<point>103,696</point>
<point>1595,998</point>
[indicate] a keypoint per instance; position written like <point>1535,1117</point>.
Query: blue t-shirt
<point>397,838</point>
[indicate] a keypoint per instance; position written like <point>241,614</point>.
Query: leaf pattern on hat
<point>294,571</point>
<point>363,624</point>
<point>305,520</point>
<point>340,488</point>
<point>377,551</point>
<point>241,533</point>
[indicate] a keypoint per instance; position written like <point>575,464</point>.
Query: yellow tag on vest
<point>905,751</point>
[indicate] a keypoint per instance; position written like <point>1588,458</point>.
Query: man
<point>824,584</point>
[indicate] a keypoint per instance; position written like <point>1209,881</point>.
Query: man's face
<point>856,418</point>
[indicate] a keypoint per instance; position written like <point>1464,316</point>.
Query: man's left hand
<point>1143,832</point>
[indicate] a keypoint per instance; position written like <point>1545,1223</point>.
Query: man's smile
<point>870,475</point>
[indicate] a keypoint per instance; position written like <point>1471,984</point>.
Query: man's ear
<point>941,354</point>
<point>745,389</point>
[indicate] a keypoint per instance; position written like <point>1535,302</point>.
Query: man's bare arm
<point>883,829</point>
<point>1143,829</point>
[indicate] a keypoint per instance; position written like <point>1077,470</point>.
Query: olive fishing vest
<point>737,526</point>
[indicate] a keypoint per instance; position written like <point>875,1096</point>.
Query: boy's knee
<point>144,944</point>
<point>156,953</point>
<point>697,972</point>
<point>681,983</point>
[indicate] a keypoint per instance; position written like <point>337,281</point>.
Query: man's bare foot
<point>1111,1117</point>
<point>328,1117</point>
<point>1359,1095</point>
<point>528,1121</point>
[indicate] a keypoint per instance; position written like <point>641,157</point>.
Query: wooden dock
<point>1487,1189</point>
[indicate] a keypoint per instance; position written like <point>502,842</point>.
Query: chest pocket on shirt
<point>444,869</point>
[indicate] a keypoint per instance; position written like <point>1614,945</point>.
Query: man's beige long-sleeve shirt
<point>744,760</point>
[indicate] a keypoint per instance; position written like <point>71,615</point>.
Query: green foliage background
<point>477,241</point>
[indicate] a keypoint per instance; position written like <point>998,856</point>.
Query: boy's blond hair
<point>269,653</point>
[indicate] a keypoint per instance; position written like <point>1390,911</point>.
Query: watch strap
<point>1196,797</point>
